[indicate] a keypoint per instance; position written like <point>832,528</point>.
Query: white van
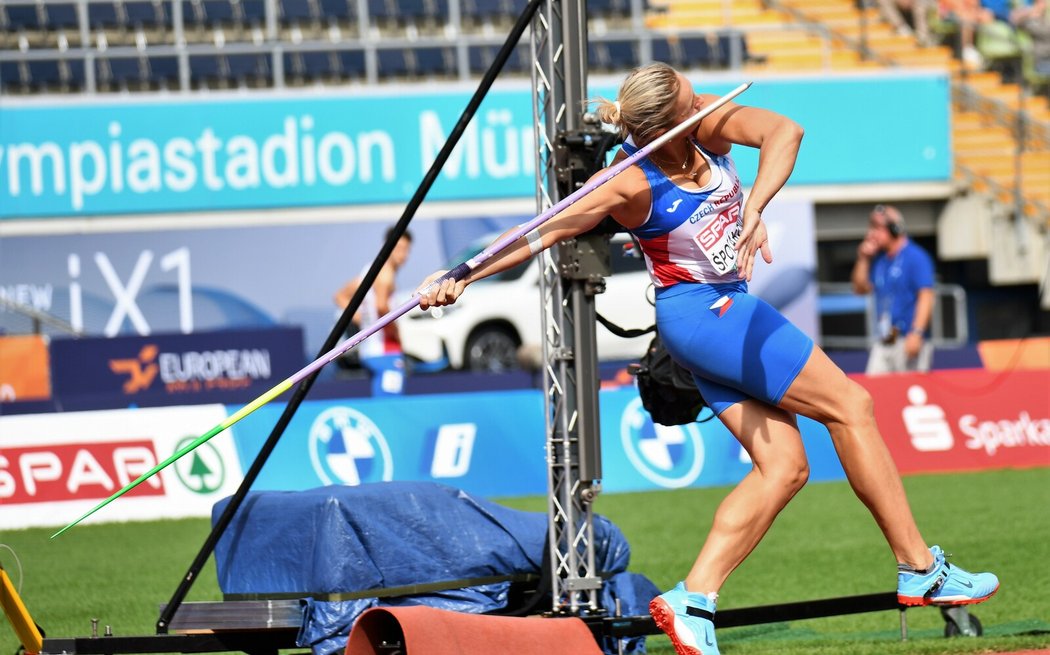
<point>500,315</point>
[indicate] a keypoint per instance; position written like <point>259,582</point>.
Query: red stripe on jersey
<point>664,270</point>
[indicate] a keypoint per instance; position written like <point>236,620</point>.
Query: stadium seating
<point>406,39</point>
<point>248,69</point>
<point>12,78</point>
<point>393,63</point>
<point>23,17</point>
<point>481,57</point>
<point>120,73</point>
<point>352,63</point>
<point>434,61</point>
<point>162,72</point>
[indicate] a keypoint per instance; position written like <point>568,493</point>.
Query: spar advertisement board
<point>55,467</point>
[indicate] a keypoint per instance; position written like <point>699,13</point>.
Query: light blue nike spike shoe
<point>688,619</point>
<point>943,584</point>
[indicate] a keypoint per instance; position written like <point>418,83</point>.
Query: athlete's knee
<point>789,474</point>
<point>852,406</point>
<point>860,404</point>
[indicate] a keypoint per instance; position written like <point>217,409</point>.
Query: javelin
<point>458,273</point>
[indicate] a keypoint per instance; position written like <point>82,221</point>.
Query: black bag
<point>667,389</point>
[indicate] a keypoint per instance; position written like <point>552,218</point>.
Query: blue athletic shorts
<point>736,344</point>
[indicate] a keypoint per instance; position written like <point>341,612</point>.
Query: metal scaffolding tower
<point>573,272</point>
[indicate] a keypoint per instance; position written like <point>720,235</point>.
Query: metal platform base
<point>236,615</point>
<point>258,627</point>
<point>253,642</point>
<point>266,626</point>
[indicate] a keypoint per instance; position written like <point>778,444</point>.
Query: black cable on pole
<point>344,320</point>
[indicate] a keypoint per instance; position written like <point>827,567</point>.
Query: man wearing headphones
<point>901,275</point>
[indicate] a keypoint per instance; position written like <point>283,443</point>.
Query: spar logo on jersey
<point>347,448</point>
<point>668,456</point>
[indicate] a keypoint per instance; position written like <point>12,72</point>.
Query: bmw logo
<point>668,456</point>
<point>347,448</point>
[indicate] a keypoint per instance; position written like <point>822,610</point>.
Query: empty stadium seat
<point>206,70</point>
<point>103,16</point>
<point>44,73</point>
<point>663,50</point>
<point>697,52</point>
<point>486,10</point>
<point>352,63</point>
<point>440,11</point>
<point>434,61</point>
<point>120,72</point>
<point>248,68</point>
<point>382,12</point>
<point>11,75</point>
<point>217,12</point>
<point>336,11</point>
<point>479,58</point>
<point>411,10</point>
<point>392,62</point>
<point>76,74</point>
<point>23,17</point>
<point>163,71</point>
<point>62,16</point>
<point>253,12</point>
<point>621,55</point>
<point>297,11</point>
<point>143,14</point>
<point>193,16</point>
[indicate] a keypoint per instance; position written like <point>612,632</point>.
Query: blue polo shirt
<point>999,8</point>
<point>897,281</point>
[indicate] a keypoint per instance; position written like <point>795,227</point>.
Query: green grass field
<point>823,545</point>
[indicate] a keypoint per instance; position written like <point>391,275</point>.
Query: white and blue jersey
<point>690,234</point>
<point>736,345</point>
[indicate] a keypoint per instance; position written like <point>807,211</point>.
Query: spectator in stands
<point>1003,39</point>
<point>900,273</point>
<point>967,15</point>
<point>685,204</point>
<point>1037,26</point>
<point>898,13</point>
<point>377,302</point>
<point>1014,12</point>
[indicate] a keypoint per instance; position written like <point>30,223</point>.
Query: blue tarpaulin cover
<point>342,540</point>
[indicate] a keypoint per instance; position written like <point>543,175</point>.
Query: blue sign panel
<point>638,455</point>
<point>486,443</point>
<point>267,150</point>
<point>172,369</point>
<point>493,444</point>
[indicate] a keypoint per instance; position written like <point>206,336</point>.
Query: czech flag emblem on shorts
<point>721,306</point>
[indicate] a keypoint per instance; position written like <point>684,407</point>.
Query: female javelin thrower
<point>754,368</point>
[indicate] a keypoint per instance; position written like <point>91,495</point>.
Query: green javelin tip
<point>237,416</point>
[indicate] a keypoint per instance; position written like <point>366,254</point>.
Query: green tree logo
<point>204,471</point>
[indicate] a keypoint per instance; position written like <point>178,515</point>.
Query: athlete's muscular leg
<point>771,437</point>
<point>824,393</point>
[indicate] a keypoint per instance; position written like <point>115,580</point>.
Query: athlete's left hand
<point>753,237</point>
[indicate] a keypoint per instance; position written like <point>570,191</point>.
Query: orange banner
<point>24,368</point>
<point>1015,354</point>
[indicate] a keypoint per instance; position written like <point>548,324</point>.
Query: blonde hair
<point>645,105</point>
